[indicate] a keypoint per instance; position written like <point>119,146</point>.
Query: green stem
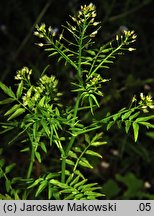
<point>79,158</point>
<point>30,168</point>
<point>31,162</point>
<point>64,156</point>
<point>80,49</point>
<point>24,197</point>
<point>74,119</point>
<point>63,164</point>
<point>63,168</point>
<point>79,69</point>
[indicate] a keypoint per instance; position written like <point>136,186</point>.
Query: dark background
<point>126,171</point>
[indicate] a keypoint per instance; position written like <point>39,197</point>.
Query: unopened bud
<point>93,34</point>
<point>131,49</point>
<point>40,44</point>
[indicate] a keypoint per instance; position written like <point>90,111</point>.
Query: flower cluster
<point>23,74</point>
<point>40,30</point>
<point>95,83</point>
<point>48,84</point>
<point>87,11</point>
<point>146,102</point>
<point>87,14</point>
<point>42,94</point>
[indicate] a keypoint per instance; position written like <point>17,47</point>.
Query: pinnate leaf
<point>17,113</point>
<point>7,90</point>
<point>7,101</point>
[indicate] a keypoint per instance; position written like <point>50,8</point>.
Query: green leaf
<point>127,125</point>
<point>38,156</point>
<point>41,102</point>
<point>134,115</point>
<point>90,198</point>
<point>35,183</point>
<point>72,154</point>
<point>90,186</point>
<point>136,130</point>
<point>25,149</point>
<point>49,49</point>
<point>16,196</point>
<point>91,52</point>
<point>94,98</point>
<point>45,127</point>
<point>42,186</point>
<point>50,192</point>
<point>58,183</point>
<point>6,130</point>
<point>20,89</point>
<point>85,63</point>
<point>69,190</point>
<point>95,140</point>
<point>80,183</point>
<point>13,109</point>
<point>116,116</point>
<point>69,197</point>
<point>51,175</point>
<point>59,59</point>
<point>143,119</point>
<point>67,172</point>
<point>75,181</point>
<point>119,124</point>
<point>77,149</point>
<point>90,152</point>
<point>147,124</point>
<point>54,53</point>
<point>79,196</point>
<point>126,115</point>
<point>69,179</point>
<point>7,185</point>
<point>43,147</point>
<point>85,163</point>
<point>92,193</point>
<point>87,138</point>
<point>91,105</point>
<point>56,195</point>
<point>9,168</point>
<point>77,172</point>
<point>70,162</point>
<point>2,162</point>
<point>97,137</point>
<point>105,50</point>
<point>109,125</point>
<point>17,113</point>
<point>98,143</point>
<point>7,90</point>
<point>7,101</point>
